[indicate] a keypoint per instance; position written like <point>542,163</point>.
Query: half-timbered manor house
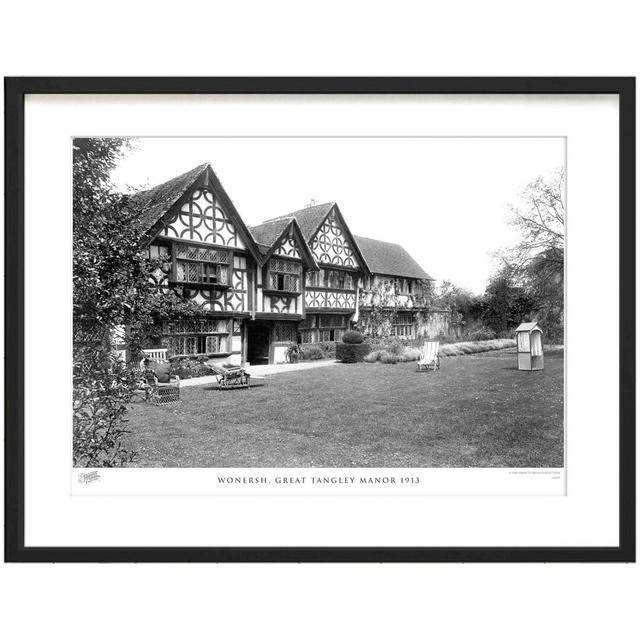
<point>301,277</point>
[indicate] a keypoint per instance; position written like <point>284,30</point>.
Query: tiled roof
<point>309,218</point>
<point>381,257</point>
<point>154,203</point>
<point>389,259</point>
<point>267,232</point>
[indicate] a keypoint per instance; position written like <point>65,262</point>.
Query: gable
<point>288,247</point>
<point>330,244</point>
<point>152,204</point>
<point>202,218</point>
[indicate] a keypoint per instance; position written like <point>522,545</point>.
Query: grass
<point>476,411</point>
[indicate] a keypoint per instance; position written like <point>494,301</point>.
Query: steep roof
<point>153,203</point>
<point>389,259</point>
<point>268,232</point>
<point>309,218</point>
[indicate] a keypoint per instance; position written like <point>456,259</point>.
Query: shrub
<point>352,337</point>
<point>293,352</point>
<point>554,335</point>
<point>395,347</point>
<point>102,387</point>
<point>318,351</point>
<point>410,354</point>
<point>374,356</point>
<point>328,349</point>
<point>463,348</point>
<point>349,353</point>
<point>312,352</point>
<point>483,333</point>
<point>388,358</point>
<point>189,367</point>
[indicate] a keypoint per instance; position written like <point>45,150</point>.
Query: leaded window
<point>199,336</point>
<point>330,320</point>
<point>337,279</point>
<point>201,265</point>
<point>307,336</point>
<point>330,335</point>
<point>315,278</point>
<point>331,327</point>
<point>284,275</point>
<point>197,325</point>
<point>403,325</point>
<point>307,329</point>
<point>331,279</point>
<point>285,333</point>
<point>309,322</point>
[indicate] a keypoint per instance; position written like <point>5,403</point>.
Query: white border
<point>587,516</point>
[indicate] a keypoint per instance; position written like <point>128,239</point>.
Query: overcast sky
<point>444,199</point>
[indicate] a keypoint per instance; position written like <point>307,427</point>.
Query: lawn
<point>476,411</point>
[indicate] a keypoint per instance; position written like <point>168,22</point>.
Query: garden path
<point>261,370</point>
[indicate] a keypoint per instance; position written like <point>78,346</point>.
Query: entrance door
<point>258,337</point>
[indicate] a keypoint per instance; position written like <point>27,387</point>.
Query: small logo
<point>90,476</point>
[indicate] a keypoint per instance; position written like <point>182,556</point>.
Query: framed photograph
<point>320,319</point>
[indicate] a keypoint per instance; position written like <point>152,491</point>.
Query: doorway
<point>258,340</point>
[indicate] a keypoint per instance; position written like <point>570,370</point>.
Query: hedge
<point>352,352</point>
<point>352,337</point>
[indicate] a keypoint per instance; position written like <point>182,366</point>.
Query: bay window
<point>201,265</point>
<point>284,275</point>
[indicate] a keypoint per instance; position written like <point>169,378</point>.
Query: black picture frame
<point>15,91</point>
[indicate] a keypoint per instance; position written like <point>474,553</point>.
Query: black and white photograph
<point>319,302</point>
<point>320,320</point>
<point>295,327</point>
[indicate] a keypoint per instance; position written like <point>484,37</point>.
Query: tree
<point>540,220</point>
<point>536,262</point>
<point>112,287</point>
<point>505,305</point>
<point>462,303</point>
<point>451,296</point>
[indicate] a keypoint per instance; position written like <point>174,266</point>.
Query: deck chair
<point>231,377</point>
<point>430,358</point>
